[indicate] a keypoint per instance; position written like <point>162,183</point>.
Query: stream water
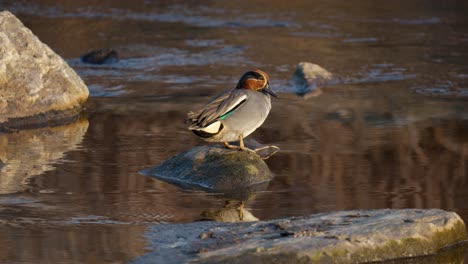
<point>392,133</point>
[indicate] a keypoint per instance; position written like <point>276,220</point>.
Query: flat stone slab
<point>213,168</point>
<point>337,237</point>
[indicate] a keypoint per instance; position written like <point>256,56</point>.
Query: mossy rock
<point>213,168</point>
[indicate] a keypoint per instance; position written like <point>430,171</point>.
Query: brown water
<point>393,133</point>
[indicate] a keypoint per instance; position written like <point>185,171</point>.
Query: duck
<point>234,114</point>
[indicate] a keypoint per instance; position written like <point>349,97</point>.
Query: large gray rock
<point>308,77</point>
<point>336,237</point>
<point>36,85</point>
<point>213,168</point>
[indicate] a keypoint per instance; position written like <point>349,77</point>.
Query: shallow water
<point>391,133</point>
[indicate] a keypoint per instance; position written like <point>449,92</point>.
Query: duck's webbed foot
<point>271,150</point>
<point>269,154</point>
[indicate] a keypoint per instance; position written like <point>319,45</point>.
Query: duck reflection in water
<point>233,209</point>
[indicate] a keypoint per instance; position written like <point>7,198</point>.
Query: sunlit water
<point>392,132</point>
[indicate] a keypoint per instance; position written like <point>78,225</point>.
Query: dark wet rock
<point>213,168</point>
<point>308,77</point>
<point>102,56</point>
<point>337,237</point>
<point>34,81</point>
<point>31,152</point>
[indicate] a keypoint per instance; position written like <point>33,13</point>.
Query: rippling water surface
<point>392,132</point>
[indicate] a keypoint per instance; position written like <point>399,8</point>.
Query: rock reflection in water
<point>27,153</point>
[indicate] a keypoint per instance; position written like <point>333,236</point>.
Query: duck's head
<point>256,80</point>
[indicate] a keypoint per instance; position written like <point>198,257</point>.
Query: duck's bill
<point>270,92</point>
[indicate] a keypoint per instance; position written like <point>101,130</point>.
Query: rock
<point>337,237</point>
<point>31,152</point>
<point>102,56</point>
<point>1,164</point>
<point>213,168</point>
<point>36,85</point>
<point>309,76</point>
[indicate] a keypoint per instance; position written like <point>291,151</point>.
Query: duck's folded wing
<point>218,108</point>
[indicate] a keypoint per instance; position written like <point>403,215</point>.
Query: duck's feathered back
<point>218,108</point>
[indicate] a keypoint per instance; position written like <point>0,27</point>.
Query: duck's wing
<point>218,108</point>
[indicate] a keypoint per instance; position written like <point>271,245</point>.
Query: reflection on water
<point>70,244</point>
<point>32,152</point>
<point>233,211</point>
<point>392,133</point>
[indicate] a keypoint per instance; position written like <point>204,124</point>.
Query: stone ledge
<point>335,237</point>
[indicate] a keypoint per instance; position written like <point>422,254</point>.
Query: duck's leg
<point>241,211</point>
<point>229,146</point>
<point>241,142</point>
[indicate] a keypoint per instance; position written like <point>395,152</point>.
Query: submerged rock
<point>213,168</point>
<point>308,77</point>
<point>102,56</point>
<point>337,237</point>
<point>36,85</point>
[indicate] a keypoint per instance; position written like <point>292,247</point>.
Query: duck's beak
<point>269,91</point>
